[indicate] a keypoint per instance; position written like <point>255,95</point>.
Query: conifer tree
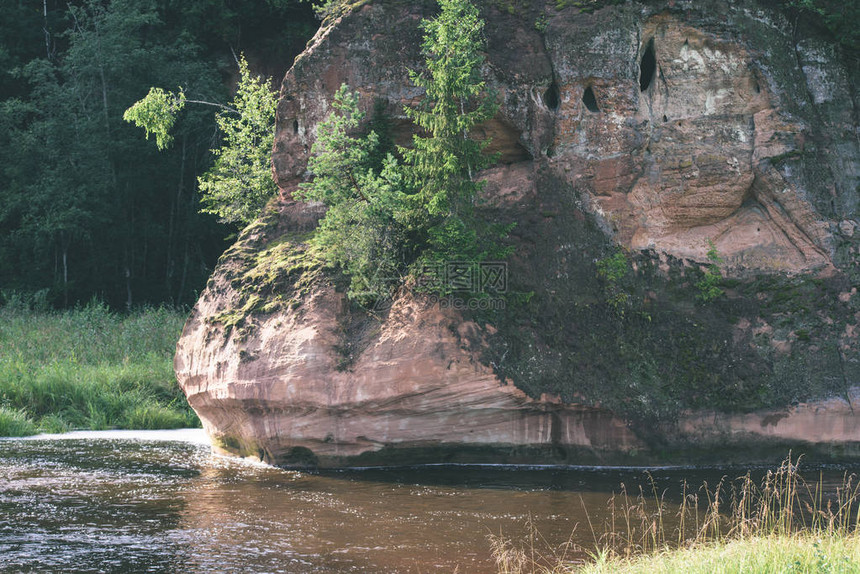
<point>383,219</point>
<point>442,164</point>
<point>361,232</point>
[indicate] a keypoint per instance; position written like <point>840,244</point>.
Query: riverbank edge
<point>89,368</point>
<point>730,454</point>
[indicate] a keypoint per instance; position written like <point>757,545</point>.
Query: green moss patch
<point>270,279</point>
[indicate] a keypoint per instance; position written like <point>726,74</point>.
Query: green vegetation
<point>612,270</point>
<point>669,352</point>
<point>808,553</point>
<point>385,218</point>
<point>363,232</point>
<point>709,284</point>
<point>442,189</point>
<point>14,422</point>
<point>240,183</point>
<point>261,284</point>
<point>268,271</point>
<point>781,525</point>
<point>89,368</point>
<point>156,114</point>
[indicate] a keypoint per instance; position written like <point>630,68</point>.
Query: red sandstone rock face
<point>687,135</point>
<point>705,171</point>
<point>685,160</point>
<point>830,421</point>
<point>415,386</point>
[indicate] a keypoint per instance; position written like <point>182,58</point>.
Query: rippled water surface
<point>160,502</point>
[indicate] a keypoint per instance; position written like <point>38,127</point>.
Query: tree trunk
<point>65,247</point>
<point>47,34</point>
<point>128,300</point>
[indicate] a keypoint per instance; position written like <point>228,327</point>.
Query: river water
<point>158,501</point>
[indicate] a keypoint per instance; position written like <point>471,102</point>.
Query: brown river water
<point>158,501</point>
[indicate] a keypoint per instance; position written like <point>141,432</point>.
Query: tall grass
<point>90,368</point>
<point>798,553</point>
<point>780,524</point>
<point>15,423</point>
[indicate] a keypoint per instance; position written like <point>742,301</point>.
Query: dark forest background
<point>88,207</point>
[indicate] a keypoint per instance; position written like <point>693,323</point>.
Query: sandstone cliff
<point>661,130</point>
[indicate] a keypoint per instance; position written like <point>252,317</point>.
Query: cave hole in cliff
<point>590,100</point>
<point>551,97</point>
<point>647,66</point>
<point>295,126</point>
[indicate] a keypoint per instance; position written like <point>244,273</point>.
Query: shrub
<point>708,285</point>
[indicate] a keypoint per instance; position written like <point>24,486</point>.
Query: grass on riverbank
<point>782,525</point>
<point>775,554</point>
<point>89,368</point>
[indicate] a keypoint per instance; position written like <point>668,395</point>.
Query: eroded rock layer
<point>663,129</point>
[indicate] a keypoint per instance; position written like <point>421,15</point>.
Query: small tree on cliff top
<point>361,231</point>
<point>240,183</point>
<point>443,163</point>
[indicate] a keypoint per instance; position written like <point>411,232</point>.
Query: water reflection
<point>87,504</point>
<point>323,523</point>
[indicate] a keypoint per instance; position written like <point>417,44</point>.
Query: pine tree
<point>361,232</point>
<point>442,165</point>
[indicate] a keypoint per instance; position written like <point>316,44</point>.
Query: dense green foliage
<point>156,114</point>
<point>14,422</point>
<point>386,217</point>
<point>88,206</point>
<point>612,270</point>
<point>89,368</point>
<point>240,183</point>
<point>443,162</point>
<point>363,231</point>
